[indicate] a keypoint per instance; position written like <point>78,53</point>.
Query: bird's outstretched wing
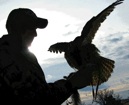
<point>101,74</point>
<point>59,47</point>
<point>91,27</point>
<point>104,72</point>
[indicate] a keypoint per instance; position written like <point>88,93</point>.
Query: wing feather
<point>93,25</point>
<point>104,71</point>
<point>59,47</point>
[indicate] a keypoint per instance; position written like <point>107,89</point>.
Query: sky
<point>66,19</point>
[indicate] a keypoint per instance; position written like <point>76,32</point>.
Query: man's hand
<point>83,77</point>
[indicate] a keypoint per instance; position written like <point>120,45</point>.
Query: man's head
<point>22,19</point>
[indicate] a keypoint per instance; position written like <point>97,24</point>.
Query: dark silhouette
<point>81,52</point>
<point>22,80</point>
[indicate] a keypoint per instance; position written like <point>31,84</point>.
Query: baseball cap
<point>24,18</point>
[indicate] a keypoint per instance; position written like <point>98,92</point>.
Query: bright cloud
<point>2,27</point>
<point>60,25</point>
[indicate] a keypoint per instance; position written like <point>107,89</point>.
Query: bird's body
<point>78,58</point>
<point>82,52</point>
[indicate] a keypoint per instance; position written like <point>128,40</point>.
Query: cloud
<point>124,81</point>
<point>2,27</point>
<point>3,2</point>
<point>126,57</point>
<point>114,45</point>
<point>122,11</point>
<point>57,70</point>
<point>49,77</point>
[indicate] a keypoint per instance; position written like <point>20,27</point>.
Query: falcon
<point>82,52</point>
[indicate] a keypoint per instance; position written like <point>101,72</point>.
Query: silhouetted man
<point>22,80</point>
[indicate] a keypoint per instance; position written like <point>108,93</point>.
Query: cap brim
<point>41,23</point>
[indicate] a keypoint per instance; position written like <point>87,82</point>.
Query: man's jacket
<point>22,79</point>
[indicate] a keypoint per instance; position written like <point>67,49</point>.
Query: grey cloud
<point>126,57</point>
<point>75,31</point>
<point>61,69</point>
<point>115,45</point>
<point>123,81</point>
<point>4,1</point>
<point>116,39</point>
<point>69,33</point>
<point>53,61</point>
<point>127,78</point>
<point>67,25</point>
<point>122,11</point>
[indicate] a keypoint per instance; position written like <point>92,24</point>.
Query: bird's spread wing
<point>94,23</point>
<point>104,72</point>
<point>89,54</point>
<point>59,47</point>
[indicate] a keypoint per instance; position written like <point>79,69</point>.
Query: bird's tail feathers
<point>103,71</point>
<point>103,74</point>
<point>107,63</point>
<point>107,68</point>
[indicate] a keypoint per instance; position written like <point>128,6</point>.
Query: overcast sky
<point>66,19</point>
